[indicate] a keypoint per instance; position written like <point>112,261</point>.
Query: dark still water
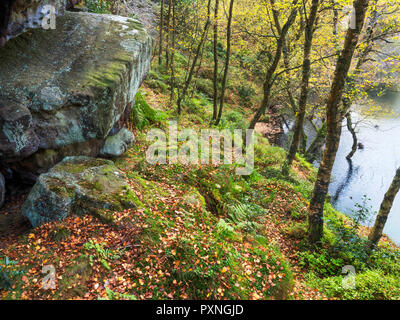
<point>373,168</point>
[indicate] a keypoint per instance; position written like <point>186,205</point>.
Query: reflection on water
<point>346,182</point>
<point>372,169</point>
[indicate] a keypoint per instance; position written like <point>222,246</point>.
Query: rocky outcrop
<point>78,186</point>
<point>63,92</point>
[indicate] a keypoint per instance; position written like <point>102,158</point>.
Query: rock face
<point>63,92</point>
<point>79,185</point>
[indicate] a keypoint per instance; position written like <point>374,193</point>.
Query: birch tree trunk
<point>172,63</point>
<point>227,61</point>
<point>386,206</point>
<point>167,50</point>
<point>269,78</point>
<point>196,57</point>
<point>301,112</point>
<point>334,125</point>
<point>215,80</point>
<point>160,46</point>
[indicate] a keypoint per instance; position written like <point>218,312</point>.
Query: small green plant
<point>232,120</point>
<point>245,215</point>
<point>370,285</point>
<point>158,85</point>
<point>98,6</point>
<point>143,115</point>
<point>193,106</point>
<point>349,245</point>
<point>111,295</point>
<point>245,93</point>
<point>60,234</point>
<point>362,213</point>
<point>321,262</point>
<point>387,259</point>
<point>8,273</point>
<point>226,230</point>
<point>297,230</point>
<point>205,86</point>
<point>98,252</point>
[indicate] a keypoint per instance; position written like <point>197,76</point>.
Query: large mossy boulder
<point>78,186</point>
<point>64,91</point>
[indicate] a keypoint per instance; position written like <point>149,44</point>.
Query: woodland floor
<point>201,233</point>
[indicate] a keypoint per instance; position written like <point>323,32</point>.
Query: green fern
<point>245,216</point>
<point>143,115</point>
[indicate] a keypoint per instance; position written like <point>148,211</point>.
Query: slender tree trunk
<point>161,32</point>
<point>227,61</point>
<point>196,57</point>
<point>196,74</point>
<point>167,51</point>
<point>268,82</point>
<point>317,203</point>
<point>173,52</point>
<point>351,81</point>
<point>301,112</point>
<point>387,204</point>
<point>215,80</point>
<point>303,143</point>
<point>335,25</point>
<point>286,62</point>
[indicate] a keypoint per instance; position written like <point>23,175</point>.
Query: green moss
<point>130,198</point>
<point>370,285</point>
<point>78,166</point>
<point>205,86</point>
<point>143,115</point>
<point>135,25</point>
<point>193,199</point>
<point>60,188</point>
<point>158,85</point>
<point>110,75</point>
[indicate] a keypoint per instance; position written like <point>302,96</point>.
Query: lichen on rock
<point>77,186</point>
